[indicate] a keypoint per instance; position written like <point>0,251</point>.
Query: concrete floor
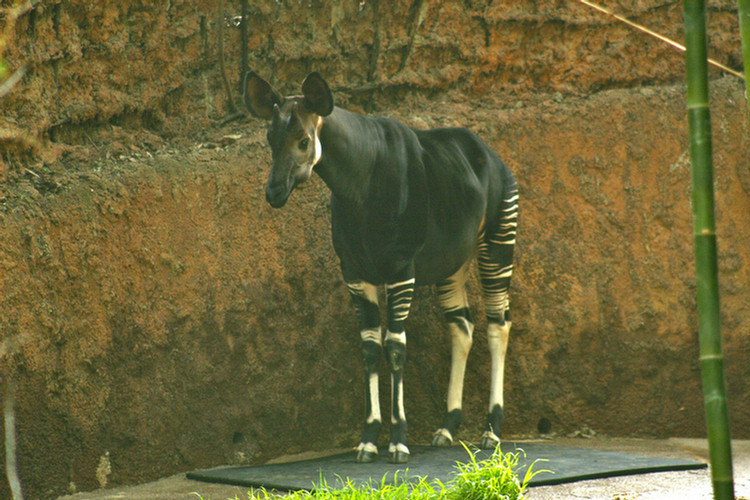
<point>688,485</point>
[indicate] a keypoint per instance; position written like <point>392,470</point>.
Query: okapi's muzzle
<point>284,177</point>
<point>276,196</point>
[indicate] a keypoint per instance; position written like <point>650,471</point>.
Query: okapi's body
<point>409,207</point>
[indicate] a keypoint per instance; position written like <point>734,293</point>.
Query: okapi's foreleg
<point>455,306</point>
<point>495,270</point>
<point>399,297</point>
<point>365,298</point>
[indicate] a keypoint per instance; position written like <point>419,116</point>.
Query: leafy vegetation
<point>492,479</point>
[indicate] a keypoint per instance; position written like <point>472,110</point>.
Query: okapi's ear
<point>318,97</point>
<point>259,96</point>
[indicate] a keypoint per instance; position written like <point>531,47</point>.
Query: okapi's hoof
<point>489,441</point>
<point>365,457</point>
<point>442,438</point>
<point>398,454</point>
<point>366,453</point>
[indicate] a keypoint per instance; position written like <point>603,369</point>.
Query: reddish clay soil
<point>158,316</point>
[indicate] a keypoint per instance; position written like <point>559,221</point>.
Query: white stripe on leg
<point>497,341</point>
<point>397,381</point>
<point>374,399</point>
<point>400,411</point>
<point>461,344</point>
<point>399,337</point>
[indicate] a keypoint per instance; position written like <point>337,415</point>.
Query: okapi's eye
<point>304,143</point>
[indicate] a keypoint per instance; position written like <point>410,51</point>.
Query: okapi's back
<point>456,150</point>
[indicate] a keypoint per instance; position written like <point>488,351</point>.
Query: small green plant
<point>490,479</point>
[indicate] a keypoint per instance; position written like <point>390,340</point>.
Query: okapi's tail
<point>496,256</point>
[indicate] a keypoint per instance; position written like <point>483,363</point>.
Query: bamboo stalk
<point>743,9</point>
<point>706,269</point>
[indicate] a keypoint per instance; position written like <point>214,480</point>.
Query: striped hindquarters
<point>496,258</point>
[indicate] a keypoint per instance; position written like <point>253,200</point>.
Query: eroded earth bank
<point>158,316</point>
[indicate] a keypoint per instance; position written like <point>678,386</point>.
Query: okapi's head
<point>295,123</point>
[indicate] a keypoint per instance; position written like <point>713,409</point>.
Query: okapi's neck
<point>349,142</point>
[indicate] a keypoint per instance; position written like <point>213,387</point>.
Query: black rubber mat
<point>565,464</point>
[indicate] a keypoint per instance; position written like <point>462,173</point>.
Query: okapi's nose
<point>276,195</point>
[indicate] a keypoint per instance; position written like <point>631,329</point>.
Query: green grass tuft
<point>492,479</point>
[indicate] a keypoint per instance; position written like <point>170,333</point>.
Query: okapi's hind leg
<point>455,306</point>
<point>365,298</point>
<point>495,270</point>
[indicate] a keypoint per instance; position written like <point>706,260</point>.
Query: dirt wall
<point>158,316</point>
<point>92,63</point>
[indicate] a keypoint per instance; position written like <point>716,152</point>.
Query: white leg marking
<point>401,283</point>
<point>401,339</point>
<point>374,335</point>
<point>452,295</point>
<point>399,402</point>
<point>396,337</point>
<point>363,289</point>
<point>497,341</point>
<point>374,399</point>
<point>401,408</point>
<point>399,297</point>
<point>461,344</point>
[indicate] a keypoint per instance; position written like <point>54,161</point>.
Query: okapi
<point>408,207</point>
